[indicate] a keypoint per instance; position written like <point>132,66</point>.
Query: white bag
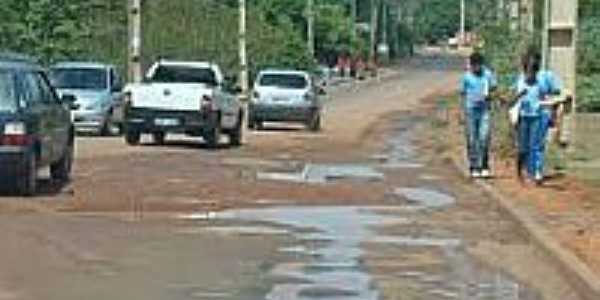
<point>513,113</point>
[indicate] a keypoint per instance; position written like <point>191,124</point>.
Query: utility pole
<point>374,22</point>
<point>462,22</point>
<point>545,33</point>
<point>384,48</point>
<point>501,10</point>
<point>135,41</point>
<point>310,11</point>
<point>384,22</point>
<point>242,50</point>
<point>353,15</point>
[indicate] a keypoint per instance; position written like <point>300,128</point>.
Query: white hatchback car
<point>285,96</point>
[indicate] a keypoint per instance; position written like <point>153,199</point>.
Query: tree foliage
<point>187,29</point>
<point>49,29</point>
<point>588,89</point>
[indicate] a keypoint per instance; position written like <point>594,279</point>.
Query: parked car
<point>184,97</point>
<point>35,125</point>
<point>97,88</point>
<point>285,96</point>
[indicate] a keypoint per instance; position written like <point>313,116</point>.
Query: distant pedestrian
<point>533,87</point>
<point>477,84</point>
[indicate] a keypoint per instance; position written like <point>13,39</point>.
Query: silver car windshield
<point>79,78</point>
<point>287,81</point>
<point>7,92</point>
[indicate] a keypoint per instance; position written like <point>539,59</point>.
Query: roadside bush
<point>588,89</point>
<point>588,92</point>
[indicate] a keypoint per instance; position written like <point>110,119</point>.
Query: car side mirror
<point>69,100</point>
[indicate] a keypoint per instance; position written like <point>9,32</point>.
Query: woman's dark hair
<point>476,59</point>
<point>532,65</point>
<point>531,56</point>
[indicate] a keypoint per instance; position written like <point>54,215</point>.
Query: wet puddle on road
<point>426,197</point>
<point>323,173</point>
<point>400,151</point>
<point>327,258</point>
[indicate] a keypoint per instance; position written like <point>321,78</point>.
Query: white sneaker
<point>485,173</point>
<point>539,177</point>
<point>475,174</point>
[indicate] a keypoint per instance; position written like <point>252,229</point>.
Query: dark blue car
<point>35,126</point>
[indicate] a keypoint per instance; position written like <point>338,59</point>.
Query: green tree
<point>48,29</point>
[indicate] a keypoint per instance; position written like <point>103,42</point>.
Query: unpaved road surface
<point>361,210</point>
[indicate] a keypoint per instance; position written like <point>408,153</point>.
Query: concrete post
<point>310,11</point>
<point>353,15</point>
<point>135,41</point>
<point>561,51</point>
<point>374,22</point>
<point>242,50</point>
<point>462,22</point>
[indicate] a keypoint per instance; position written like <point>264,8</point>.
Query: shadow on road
<point>45,187</point>
<point>188,144</point>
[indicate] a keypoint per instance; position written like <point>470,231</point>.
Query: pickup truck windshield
<point>179,74</point>
<point>7,92</point>
<point>79,79</point>
<point>287,81</point>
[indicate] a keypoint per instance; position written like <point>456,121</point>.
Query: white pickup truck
<point>183,97</point>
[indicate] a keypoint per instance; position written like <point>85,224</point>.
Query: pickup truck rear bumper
<point>146,120</point>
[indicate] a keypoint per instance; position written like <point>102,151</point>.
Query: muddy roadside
<point>564,206</point>
<point>184,176</point>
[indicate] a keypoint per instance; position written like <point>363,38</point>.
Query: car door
<point>38,114</point>
<point>60,117</point>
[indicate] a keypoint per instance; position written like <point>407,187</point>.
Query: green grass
<point>583,157</point>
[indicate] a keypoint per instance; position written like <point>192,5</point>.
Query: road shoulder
<point>541,211</point>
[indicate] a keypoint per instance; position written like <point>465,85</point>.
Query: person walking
<point>477,84</point>
<point>534,86</point>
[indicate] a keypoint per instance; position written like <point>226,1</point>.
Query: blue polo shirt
<point>476,89</point>
<point>546,84</point>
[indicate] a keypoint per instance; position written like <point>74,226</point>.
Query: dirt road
<point>359,211</point>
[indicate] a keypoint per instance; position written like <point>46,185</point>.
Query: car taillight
<point>15,134</point>
<point>16,140</point>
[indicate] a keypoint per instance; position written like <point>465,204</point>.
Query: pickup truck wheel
<point>27,183</point>
<point>61,170</point>
<point>235,136</point>
<point>120,128</point>
<point>159,138</point>
<point>132,138</point>
<point>105,129</point>
<point>259,125</point>
<point>314,124</point>
<point>212,136</point>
